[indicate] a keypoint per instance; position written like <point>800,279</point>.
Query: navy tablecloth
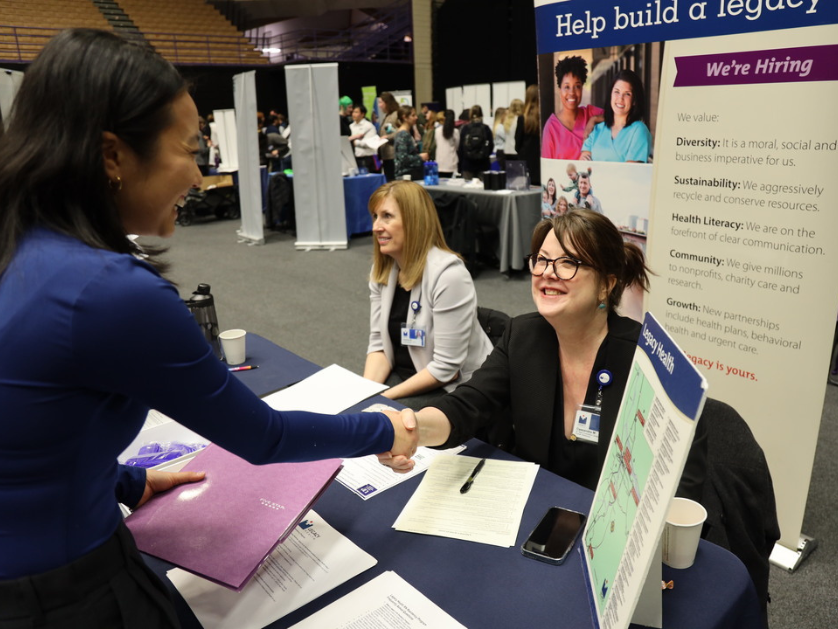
<point>482,586</point>
<point>356,195</point>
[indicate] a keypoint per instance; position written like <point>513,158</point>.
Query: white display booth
<point>318,182</point>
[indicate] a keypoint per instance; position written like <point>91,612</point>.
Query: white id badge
<point>586,424</point>
<point>413,337</point>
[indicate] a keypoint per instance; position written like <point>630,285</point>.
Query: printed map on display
<point>622,485</point>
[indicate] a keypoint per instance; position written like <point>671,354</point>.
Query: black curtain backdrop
<point>212,87</point>
<point>483,41</point>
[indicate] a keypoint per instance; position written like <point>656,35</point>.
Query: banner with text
<point>717,154</point>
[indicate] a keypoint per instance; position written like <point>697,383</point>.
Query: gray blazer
<point>454,340</point>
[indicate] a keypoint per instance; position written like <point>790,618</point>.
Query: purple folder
<point>224,527</point>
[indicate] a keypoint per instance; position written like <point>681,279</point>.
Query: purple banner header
<point>782,65</point>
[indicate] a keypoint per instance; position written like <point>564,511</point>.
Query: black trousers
<point>366,162</point>
<point>109,587</point>
<point>389,168</point>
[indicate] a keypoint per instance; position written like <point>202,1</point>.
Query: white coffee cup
<point>233,345</point>
<point>682,532</point>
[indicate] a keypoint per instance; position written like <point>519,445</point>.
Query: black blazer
<point>522,375</point>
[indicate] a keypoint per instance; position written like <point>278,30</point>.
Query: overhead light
<point>272,51</point>
<point>408,38</point>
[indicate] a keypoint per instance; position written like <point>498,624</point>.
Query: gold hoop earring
<point>115,185</point>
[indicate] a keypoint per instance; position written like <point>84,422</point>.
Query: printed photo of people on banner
<point>664,117</point>
<point>598,113</point>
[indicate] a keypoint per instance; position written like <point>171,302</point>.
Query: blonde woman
<point>498,133</point>
<point>513,112</point>
<point>389,108</point>
<point>424,335</point>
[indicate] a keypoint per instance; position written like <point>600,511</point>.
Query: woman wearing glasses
<point>575,353</point>
<point>424,335</point>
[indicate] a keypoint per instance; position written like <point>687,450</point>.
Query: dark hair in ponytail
<point>597,242</point>
<point>448,125</point>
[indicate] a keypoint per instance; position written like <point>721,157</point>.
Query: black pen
<point>471,478</point>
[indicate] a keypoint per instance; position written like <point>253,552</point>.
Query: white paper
<point>489,513</point>
<point>366,477</point>
<point>386,602</point>
<point>308,564</point>
<point>374,142</point>
<point>330,391</point>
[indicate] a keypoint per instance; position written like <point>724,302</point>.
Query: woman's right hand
<point>585,155</point>
<point>405,442</point>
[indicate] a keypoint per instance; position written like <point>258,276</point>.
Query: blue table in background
<point>356,195</point>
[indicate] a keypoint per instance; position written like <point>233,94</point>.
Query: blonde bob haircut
<point>422,231</point>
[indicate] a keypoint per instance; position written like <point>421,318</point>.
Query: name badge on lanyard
<point>413,336</point>
<point>586,421</point>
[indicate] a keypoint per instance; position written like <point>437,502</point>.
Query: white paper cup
<point>682,532</point>
<point>233,345</point>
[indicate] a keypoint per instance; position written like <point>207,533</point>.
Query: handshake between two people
<point>399,458</point>
<point>405,441</point>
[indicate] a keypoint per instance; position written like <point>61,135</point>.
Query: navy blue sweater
<point>91,340</point>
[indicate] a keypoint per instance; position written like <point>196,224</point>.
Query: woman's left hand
<point>157,481</point>
<point>585,155</point>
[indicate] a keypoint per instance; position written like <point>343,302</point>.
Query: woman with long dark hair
<point>388,106</point>
<point>527,136</point>
<point>623,136</point>
<point>101,144</point>
<point>447,142</point>
<point>408,160</point>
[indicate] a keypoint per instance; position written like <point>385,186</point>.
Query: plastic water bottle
<point>429,173</point>
<point>202,307</point>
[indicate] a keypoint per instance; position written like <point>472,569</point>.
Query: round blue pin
<point>604,377</point>
<point>415,306</point>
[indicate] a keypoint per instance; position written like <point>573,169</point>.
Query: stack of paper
<point>386,602</point>
<point>312,561</point>
<point>489,513</point>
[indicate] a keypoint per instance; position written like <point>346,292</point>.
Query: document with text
<point>366,477</point>
<point>313,560</point>
<point>386,602</point>
<point>489,512</point>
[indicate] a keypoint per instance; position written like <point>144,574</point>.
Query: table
<point>356,195</point>
<point>482,586</point>
<point>514,214</point>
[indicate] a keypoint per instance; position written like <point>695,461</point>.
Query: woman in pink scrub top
<point>564,132</point>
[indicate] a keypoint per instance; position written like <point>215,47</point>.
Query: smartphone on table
<point>553,539</point>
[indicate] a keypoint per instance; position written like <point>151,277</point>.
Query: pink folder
<point>224,527</point>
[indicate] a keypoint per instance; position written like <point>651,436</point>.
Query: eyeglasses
<point>565,268</point>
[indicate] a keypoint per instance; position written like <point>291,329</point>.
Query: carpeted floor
<point>316,304</point>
